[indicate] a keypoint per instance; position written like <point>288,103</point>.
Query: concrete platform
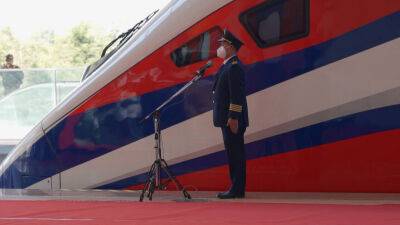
<point>197,196</point>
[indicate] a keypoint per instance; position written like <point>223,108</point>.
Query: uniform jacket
<point>229,95</point>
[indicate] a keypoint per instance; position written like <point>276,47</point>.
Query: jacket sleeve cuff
<point>235,111</point>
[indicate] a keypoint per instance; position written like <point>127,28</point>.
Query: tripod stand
<point>154,175</point>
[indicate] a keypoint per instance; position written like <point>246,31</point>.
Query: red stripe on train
<point>365,164</point>
<point>328,19</point>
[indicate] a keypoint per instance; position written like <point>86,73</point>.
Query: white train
<point>323,89</point>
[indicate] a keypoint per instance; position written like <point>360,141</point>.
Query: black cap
<point>9,57</point>
<point>231,39</point>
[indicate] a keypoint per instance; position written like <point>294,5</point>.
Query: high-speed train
<point>323,91</point>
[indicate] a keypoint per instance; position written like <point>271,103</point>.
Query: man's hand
<point>233,125</point>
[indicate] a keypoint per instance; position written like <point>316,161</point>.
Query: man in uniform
<point>230,112</point>
<point>12,80</point>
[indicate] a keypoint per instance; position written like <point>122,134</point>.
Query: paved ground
<point>98,207</point>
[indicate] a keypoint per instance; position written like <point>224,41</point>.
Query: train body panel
<point>315,101</point>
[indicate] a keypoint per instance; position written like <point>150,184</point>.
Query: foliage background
<point>80,46</point>
<point>67,54</point>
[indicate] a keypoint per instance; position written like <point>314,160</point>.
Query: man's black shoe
<point>229,195</point>
<point>225,195</point>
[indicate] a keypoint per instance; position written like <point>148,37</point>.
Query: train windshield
<point>122,38</point>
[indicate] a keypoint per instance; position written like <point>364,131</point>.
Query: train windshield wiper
<point>124,38</point>
<point>129,33</point>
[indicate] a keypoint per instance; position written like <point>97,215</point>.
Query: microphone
<point>206,66</point>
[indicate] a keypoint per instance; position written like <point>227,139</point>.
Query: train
<point>323,92</point>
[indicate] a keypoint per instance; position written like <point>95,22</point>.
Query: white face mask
<point>221,52</point>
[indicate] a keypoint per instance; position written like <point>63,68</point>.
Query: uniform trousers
<point>234,145</point>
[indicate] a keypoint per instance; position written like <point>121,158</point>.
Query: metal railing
<point>27,95</point>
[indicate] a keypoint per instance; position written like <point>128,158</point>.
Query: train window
<point>200,48</point>
<point>277,21</point>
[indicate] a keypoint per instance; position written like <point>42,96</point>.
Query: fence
<point>26,96</point>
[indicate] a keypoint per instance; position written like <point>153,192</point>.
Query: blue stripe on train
<point>104,129</point>
<point>347,127</point>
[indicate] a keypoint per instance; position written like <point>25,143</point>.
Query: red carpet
<point>190,213</point>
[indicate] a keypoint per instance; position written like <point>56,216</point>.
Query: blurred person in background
<point>12,80</point>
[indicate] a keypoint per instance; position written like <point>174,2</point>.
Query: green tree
<point>8,44</point>
<point>83,41</point>
<point>81,46</point>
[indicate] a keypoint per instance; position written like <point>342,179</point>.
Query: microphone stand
<point>154,175</point>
